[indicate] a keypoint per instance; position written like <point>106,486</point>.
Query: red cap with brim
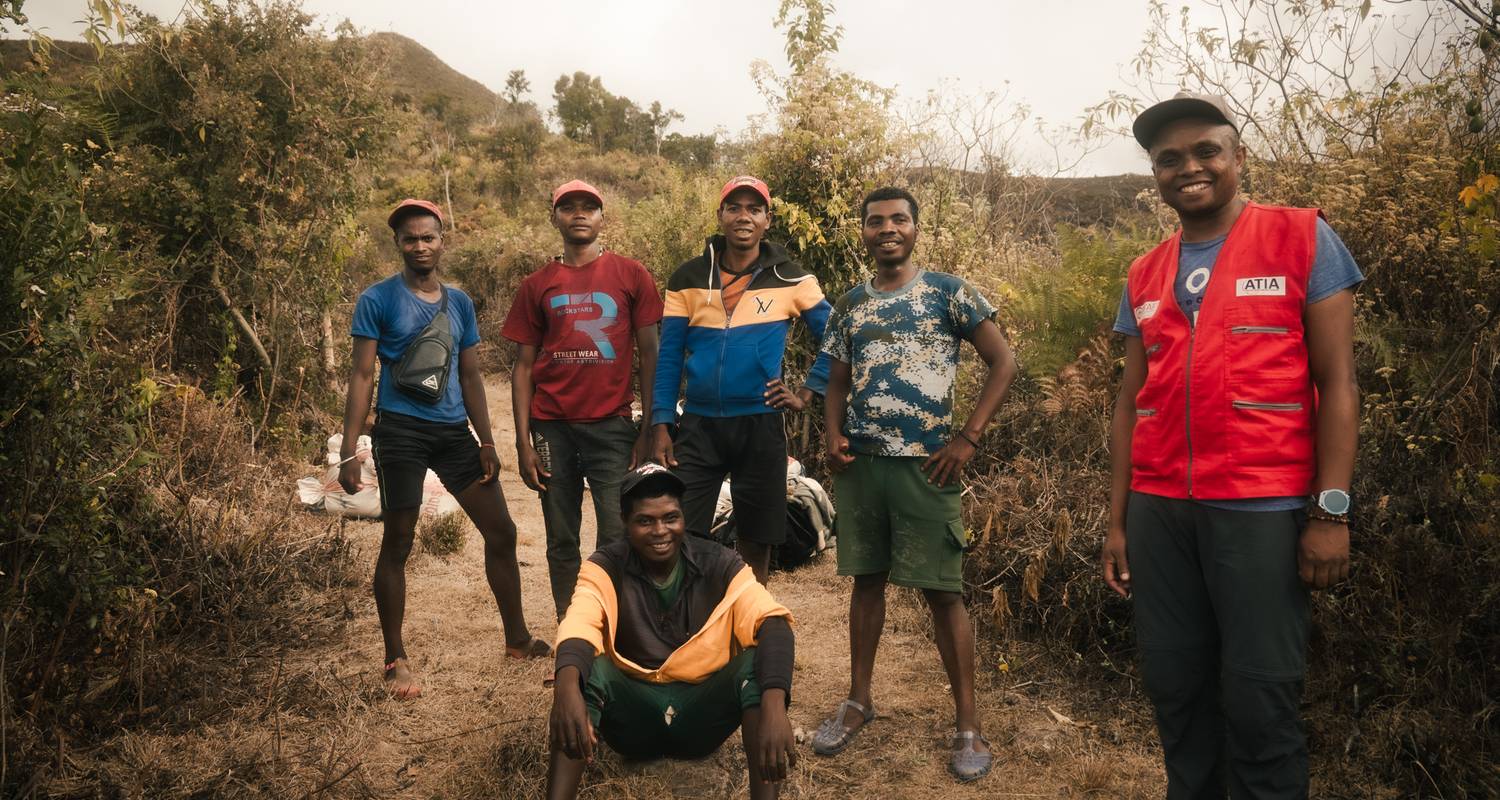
<point>411,206</point>
<point>746,182</point>
<point>576,187</point>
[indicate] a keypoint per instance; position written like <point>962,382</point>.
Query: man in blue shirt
<point>414,433</point>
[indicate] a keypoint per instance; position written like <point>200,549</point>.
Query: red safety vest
<point>1227,408</point>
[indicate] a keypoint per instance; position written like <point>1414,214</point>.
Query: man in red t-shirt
<point>577,320</point>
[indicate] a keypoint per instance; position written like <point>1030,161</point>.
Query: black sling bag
<point>422,372</point>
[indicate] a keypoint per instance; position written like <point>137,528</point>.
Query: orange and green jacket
<point>615,613</point>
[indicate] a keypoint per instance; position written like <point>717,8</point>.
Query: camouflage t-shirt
<point>902,349</point>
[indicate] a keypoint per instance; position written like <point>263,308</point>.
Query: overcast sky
<point>1056,57</point>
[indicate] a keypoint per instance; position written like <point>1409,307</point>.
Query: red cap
<point>746,182</point>
<point>405,208</point>
<point>579,187</point>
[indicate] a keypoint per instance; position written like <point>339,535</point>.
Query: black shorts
<point>406,447</point>
<point>751,451</point>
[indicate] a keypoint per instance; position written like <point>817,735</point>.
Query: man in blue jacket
<point>724,332</point>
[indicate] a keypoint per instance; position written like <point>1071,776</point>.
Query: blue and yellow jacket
<point>727,361</point>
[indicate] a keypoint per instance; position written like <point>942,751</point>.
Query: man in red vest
<point>1232,445</point>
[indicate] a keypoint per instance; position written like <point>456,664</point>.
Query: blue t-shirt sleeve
<point>468,325</point>
<point>1333,268</point>
<point>836,334</point>
<point>367,314</point>
<point>968,308</point>
<point>1125,318</point>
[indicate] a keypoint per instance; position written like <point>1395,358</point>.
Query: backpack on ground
<point>809,520</point>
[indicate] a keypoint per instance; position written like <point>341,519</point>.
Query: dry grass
<point>442,535</point>
<point>310,715</point>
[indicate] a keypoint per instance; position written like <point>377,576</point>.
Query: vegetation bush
<point>194,233</point>
<point>161,317</point>
<point>1401,654</point>
<point>443,535</point>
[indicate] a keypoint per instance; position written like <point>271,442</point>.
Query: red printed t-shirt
<point>582,321</point>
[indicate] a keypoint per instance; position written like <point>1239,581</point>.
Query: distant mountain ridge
<point>413,72</point>
<point>417,73</point>
<point>417,78</point>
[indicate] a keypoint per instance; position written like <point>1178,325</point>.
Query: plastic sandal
<point>832,737</point>
<point>969,764</point>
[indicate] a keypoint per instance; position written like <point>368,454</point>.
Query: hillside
<point>416,73</point>
<point>69,59</point>
<point>416,76</point>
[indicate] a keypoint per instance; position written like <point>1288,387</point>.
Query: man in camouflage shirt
<point>894,341</point>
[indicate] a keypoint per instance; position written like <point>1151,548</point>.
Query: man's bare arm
<point>476,405</point>
<point>356,409</point>
<point>1121,434</point>
<point>646,343</point>
<point>946,465</point>
<point>1323,553</point>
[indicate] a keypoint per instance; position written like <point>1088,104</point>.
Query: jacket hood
<point>771,254</point>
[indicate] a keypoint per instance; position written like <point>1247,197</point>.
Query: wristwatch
<point>1329,505</point>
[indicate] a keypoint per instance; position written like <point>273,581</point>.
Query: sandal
<point>534,648</point>
<point>400,680</point>
<point>969,764</point>
<point>833,736</point>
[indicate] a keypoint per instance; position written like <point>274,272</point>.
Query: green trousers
<point>1221,630</point>
<point>641,720</point>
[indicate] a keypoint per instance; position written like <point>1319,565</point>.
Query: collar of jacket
<point>771,256</point>
<point>691,567</point>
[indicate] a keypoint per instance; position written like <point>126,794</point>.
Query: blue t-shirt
<point>390,314</point>
<point>902,347</point>
<point>1333,271</point>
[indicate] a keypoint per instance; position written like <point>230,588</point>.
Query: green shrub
<point>1059,307</point>
<point>443,535</point>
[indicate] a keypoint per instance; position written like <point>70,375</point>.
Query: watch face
<point>1334,501</point>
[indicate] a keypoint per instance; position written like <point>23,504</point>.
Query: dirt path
<point>326,728</point>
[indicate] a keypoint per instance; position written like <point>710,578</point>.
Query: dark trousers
<point>1221,628</point>
<point>751,450</point>
<point>599,451</point>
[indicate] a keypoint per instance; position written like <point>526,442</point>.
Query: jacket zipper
<point>1258,406</point>
<point>1257,329</point>
<point>1145,412</point>
<point>713,275</point>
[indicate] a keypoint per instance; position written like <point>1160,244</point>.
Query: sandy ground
<point>325,728</point>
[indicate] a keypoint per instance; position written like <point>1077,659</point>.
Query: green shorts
<point>641,720</point>
<point>890,519</point>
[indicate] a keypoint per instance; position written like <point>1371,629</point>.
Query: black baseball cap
<point>649,476</point>
<point>1183,105</point>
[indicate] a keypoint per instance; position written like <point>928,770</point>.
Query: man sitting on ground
<point>670,644</point>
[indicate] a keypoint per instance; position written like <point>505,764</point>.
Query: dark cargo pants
<point>1221,628</point>
<point>599,451</point>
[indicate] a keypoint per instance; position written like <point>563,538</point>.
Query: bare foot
<point>401,681</point>
<point>532,648</point>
